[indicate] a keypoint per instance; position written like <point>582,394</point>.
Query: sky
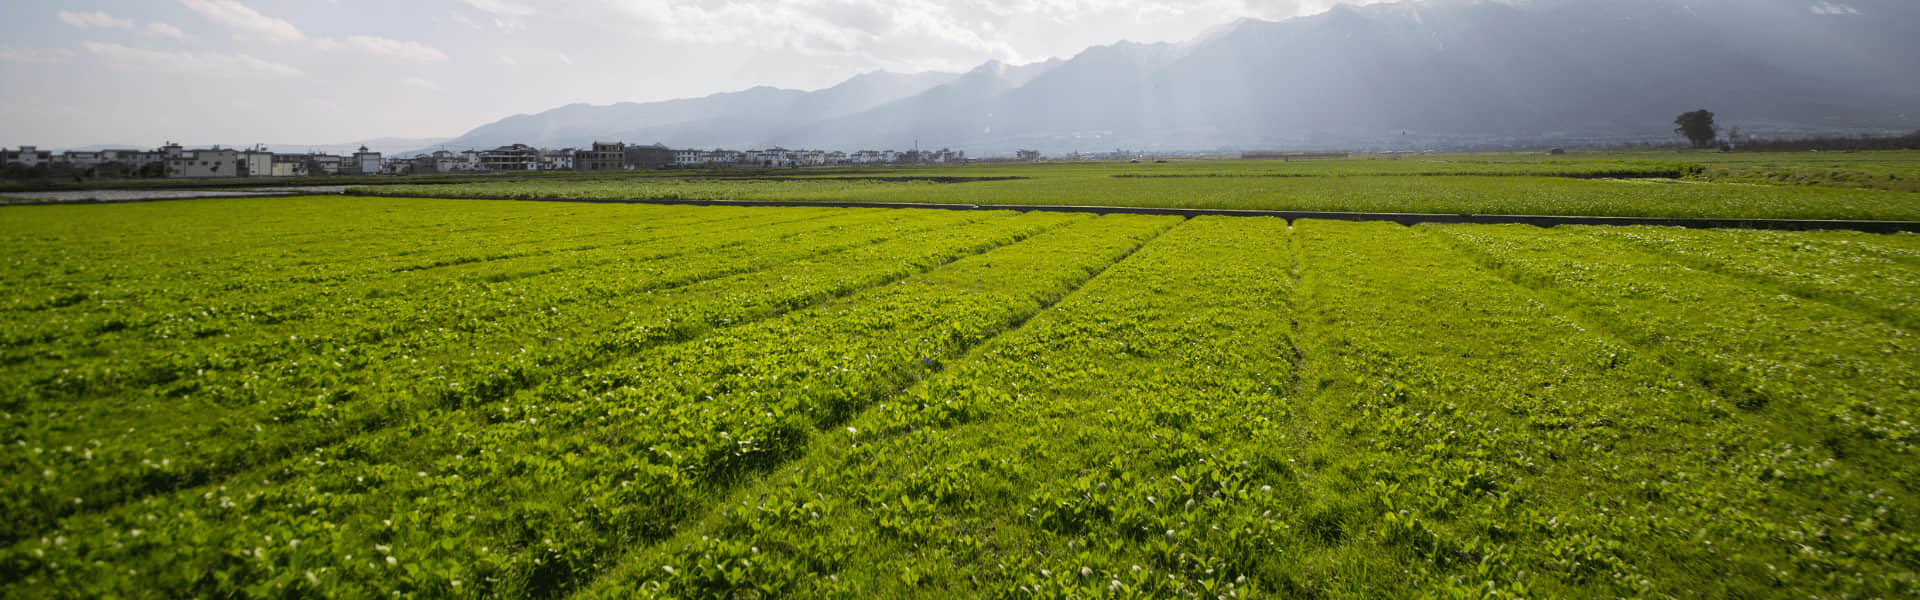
<point>141,72</point>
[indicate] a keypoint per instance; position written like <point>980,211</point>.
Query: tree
<point>1698,127</point>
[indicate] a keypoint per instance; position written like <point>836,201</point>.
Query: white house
<point>210,162</point>
<point>366,162</point>
<point>28,156</point>
<point>288,165</point>
<point>258,162</point>
<point>556,160</point>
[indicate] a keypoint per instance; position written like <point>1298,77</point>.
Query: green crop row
<point>1193,424</point>
<point>542,399</point>
<point>317,390</point>
<point>1119,444</point>
<point>613,450</point>
<point>1853,270</point>
<point>1850,377</point>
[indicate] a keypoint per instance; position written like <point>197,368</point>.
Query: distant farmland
<point>1866,185</point>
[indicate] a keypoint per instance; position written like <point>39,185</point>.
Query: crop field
<point>409,397</point>
<point>1866,185</point>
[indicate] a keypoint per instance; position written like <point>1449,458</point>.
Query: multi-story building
<point>81,159</point>
<point>556,160</point>
<point>943,156</point>
<point>209,162</point>
<point>365,163</point>
<point>131,159</point>
<point>325,164</point>
<point>602,157</point>
<point>656,156</point>
<point>27,156</point>
<point>518,157</point>
<point>439,162</point>
<point>397,166</point>
<point>289,165</point>
<point>258,162</point>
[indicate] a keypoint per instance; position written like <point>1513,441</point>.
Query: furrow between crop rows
<point>1850,377</point>
<point>236,334</point>
<point>542,486</point>
<point>356,234</point>
<point>1466,435</point>
<point>381,384</point>
<point>1818,266</point>
<point>180,308</point>
<point>1098,427</point>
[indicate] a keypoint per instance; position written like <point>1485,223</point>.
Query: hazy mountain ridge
<point>1436,67</point>
<point>387,145</point>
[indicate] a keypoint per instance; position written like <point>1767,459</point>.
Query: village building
<point>325,164</point>
<point>602,157</point>
<point>556,160</point>
<point>517,157</point>
<point>438,163</point>
<point>656,156</point>
<point>28,156</point>
<point>289,165</point>
<point>365,163</point>
<point>257,162</point>
<point>205,163</point>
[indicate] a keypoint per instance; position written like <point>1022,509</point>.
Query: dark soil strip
<point>1869,226</point>
<point>229,195</point>
<point>1653,173</point>
<point>1863,225</point>
<point>879,178</point>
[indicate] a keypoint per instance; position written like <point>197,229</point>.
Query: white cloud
<point>246,21</point>
<point>898,31</point>
<point>98,18</point>
<point>502,8</point>
<point>326,105</point>
<point>208,63</point>
<point>1834,9</point>
<point>163,31</point>
<point>412,51</point>
<point>910,34</point>
<point>422,83</point>
<point>506,14</point>
<point>35,55</point>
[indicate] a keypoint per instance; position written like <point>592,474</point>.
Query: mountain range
<point>386,145</point>
<point>1433,69</point>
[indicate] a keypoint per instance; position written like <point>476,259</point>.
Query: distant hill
<point>727,119</point>
<point>1347,77</point>
<point>381,145</point>
<point>388,146</point>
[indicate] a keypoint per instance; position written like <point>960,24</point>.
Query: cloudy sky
<point>139,72</point>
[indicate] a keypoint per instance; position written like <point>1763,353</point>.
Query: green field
<point>1864,185</point>
<point>358,397</point>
